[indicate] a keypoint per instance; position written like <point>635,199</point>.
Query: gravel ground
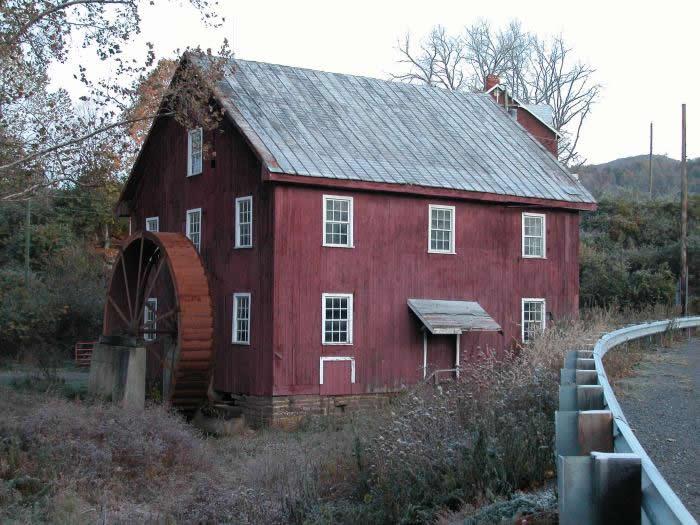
<point>662,405</point>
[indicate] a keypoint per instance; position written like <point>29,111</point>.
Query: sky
<point>645,53</point>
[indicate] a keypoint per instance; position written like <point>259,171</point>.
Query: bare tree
<point>37,33</point>
<point>439,61</point>
<point>567,86</point>
<point>535,71</point>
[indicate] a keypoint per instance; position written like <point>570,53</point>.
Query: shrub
<point>27,315</point>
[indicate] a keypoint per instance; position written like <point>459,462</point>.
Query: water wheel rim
<point>192,370</point>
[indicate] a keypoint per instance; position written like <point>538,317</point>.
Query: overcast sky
<point>646,57</point>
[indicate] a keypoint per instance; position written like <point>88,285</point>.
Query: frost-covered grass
<point>433,454</point>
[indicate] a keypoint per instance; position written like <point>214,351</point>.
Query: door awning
<point>452,317</point>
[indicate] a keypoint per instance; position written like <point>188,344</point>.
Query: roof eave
<point>277,176</point>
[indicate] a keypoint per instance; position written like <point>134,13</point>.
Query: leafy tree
<point>50,134</point>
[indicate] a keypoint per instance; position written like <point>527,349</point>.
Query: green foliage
<point>64,298</point>
<point>26,311</point>
<point>630,252</point>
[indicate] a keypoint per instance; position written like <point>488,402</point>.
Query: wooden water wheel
<point>159,297</point>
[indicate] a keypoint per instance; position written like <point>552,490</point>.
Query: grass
<point>435,454</point>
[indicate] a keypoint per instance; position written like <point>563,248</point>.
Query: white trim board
<point>338,358</point>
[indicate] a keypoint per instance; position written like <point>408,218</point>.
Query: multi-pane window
<point>152,224</point>
<point>337,318</point>
<point>337,221</point>
<point>149,319</point>
<point>534,235</point>
<point>244,222</point>
<point>241,318</point>
<point>195,141</point>
<point>194,227</point>
<point>533,318</point>
<point>442,229</point>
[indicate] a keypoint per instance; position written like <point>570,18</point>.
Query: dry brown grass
<point>428,454</point>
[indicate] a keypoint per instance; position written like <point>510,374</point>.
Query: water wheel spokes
<point>163,272</point>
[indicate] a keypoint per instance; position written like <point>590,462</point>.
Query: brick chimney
<point>491,81</point>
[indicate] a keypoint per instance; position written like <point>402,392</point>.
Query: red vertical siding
<point>539,131</point>
<point>288,269</point>
<point>165,191</point>
<point>390,264</point>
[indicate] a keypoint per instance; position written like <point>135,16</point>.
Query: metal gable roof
<point>313,123</point>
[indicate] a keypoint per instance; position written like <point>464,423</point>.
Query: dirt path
<point>662,405</point>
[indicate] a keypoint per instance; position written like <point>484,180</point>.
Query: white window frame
<point>522,314</point>
<point>190,171</point>
<point>347,296</point>
<point>351,220</point>
<point>453,232</point>
<point>146,308</point>
<point>188,222</point>
<point>325,359</point>
<point>237,220</point>
<point>544,235</point>
<point>157,222</point>
<point>234,323</point>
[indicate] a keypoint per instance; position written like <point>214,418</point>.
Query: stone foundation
<point>288,411</point>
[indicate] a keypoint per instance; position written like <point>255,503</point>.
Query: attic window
<point>244,222</point>
<point>194,151</point>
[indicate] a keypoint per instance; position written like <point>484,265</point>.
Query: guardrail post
<point>617,493</point>
<point>589,397</point>
<point>575,490</point>
<point>595,431</point>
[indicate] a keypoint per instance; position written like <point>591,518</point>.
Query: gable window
<point>533,318</point>
<point>149,319</point>
<point>152,224</point>
<point>244,222</point>
<point>241,319</point>
<point>441,229</point>
<point>534,236</point>
<point>337,221</point>
<point>194,227</point>
<point>195,140</point>
<point>337,318</point>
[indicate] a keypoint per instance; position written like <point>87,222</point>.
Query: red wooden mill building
<point>360,235</point>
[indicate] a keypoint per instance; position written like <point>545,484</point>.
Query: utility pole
<point>684,219</point>
<point>651,153</point>
<point>27,241</point>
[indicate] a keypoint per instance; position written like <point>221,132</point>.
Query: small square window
<point>149,319</point>
<point>241,319</point>
<point>337,319</point>
<point>337,221</point>
<point>194,227</point>
<point>533,318</point>
<point>534,236</point>
<point>195,147</point>
<point>441,229</point>
<point>152,224</point>
<point>244,222</point>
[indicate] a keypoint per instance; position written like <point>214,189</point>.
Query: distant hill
<point>630,176</point>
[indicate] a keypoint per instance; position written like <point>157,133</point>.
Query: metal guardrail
<point>604,474</point>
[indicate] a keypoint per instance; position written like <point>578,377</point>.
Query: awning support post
<point>457,338</point>
<point>425,353</point>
